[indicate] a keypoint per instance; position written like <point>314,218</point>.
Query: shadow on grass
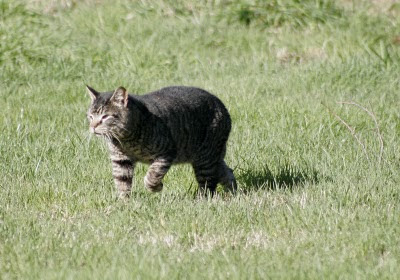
<point>286,177</point>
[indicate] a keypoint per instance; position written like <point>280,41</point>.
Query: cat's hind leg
<point>207,177</point>
<point>226,177</point>
<point>155,174</point>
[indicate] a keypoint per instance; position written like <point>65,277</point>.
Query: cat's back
<point>178,92</point>
<point>181,99</point>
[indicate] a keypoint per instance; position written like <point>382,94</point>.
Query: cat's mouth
<point>96,132</point>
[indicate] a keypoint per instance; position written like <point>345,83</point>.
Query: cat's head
<point>108,113</point>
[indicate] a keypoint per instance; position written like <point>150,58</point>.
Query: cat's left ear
<point>120,96</point>
<point>92,93</point>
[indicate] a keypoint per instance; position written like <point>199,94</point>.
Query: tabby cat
<point>172,125</point>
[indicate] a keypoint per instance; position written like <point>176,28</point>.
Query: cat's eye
<point>104,117</point>
<point>91,117</point>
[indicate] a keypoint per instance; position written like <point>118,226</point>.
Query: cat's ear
<point>92,93</point>
<point>120,96</point>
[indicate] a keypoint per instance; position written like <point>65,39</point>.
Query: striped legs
<point>122,169</point>
<point>155,174</point>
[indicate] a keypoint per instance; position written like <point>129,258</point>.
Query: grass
<point>313,203</point>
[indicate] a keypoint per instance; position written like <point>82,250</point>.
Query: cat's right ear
<point>92,92</point>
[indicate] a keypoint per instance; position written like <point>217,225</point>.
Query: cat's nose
<point>93,126</point>
<point>95,123</point>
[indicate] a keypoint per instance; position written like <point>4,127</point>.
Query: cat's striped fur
<point>172,125</point>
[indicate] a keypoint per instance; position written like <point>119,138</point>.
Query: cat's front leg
<point>122,169</point>
<point>155,174</point>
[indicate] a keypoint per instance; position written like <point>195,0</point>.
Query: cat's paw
<point>123,195</point>
<point>152,186</point>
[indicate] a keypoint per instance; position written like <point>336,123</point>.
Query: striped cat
<point>172,125</point>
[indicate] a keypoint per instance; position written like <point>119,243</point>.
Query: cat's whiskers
<point>123,128</point>
<point>115,136</point>
<point>109,136</point>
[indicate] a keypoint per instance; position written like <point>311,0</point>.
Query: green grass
<point>313,204</point>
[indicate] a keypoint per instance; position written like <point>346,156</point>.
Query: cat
<point>172,125</point>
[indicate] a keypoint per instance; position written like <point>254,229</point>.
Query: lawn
<point>313,91</point>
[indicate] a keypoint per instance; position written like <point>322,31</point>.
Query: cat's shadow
<point>285,177</point>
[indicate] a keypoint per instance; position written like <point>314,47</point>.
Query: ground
<point>319,178</point>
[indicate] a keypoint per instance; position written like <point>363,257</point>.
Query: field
<point>313,90</point>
